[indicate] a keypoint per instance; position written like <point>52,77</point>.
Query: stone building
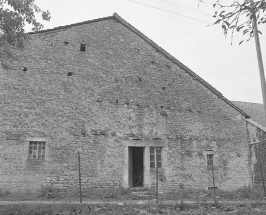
<point>103,88</point>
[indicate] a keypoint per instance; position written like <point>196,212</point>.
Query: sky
<point>183,28</point>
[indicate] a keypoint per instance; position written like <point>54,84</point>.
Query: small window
<point>83,46</point>
<point>155,156</point>
<point>209,160</point>
<point>37,150</point>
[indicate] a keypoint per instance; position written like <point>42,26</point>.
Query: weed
<point>204,195</point>
<point>48,191</point>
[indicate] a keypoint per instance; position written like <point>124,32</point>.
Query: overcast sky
<point>183,32</point>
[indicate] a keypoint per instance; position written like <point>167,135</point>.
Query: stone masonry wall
<point>121,88</point>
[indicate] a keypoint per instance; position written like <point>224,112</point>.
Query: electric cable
<point>171,12</point>
<point>208,14</point>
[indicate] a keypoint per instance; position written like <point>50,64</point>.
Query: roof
<point>158,48</point>
<point>256,124</point>
<point>255,110</point>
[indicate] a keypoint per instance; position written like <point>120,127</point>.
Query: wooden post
<point>259,57</point>
<point>262,180</point>
<point>213,180</point>
<point>80,194</point>
<point>156,180</point>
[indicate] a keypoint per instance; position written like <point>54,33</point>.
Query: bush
<point>48,192</point>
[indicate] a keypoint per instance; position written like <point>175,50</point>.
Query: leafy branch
<point>239,17</point>
<point>14,14</point>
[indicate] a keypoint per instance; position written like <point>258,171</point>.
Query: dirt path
<point>126,202</point>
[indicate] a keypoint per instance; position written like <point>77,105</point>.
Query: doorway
<point>136,167</point>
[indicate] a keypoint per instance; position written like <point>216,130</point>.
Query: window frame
<point>41,146</point>
<point>154,154</point>
<point>210,160</point>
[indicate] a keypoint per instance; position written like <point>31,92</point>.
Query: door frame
<point>131,165</point>
<point>146,159</point>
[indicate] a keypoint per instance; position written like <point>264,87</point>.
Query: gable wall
<point>122,88</point>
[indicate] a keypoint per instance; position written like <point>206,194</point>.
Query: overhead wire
<point>202,43</point>
<point>171,12</point>
<point>233,73</point>
<point>188,8</point>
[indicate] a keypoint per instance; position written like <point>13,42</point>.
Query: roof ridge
<point>71,25</point>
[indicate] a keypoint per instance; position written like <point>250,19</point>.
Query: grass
<point>114,209</point>
<point>201,206</point>
<point>244,193</point>
<point>120,193</point>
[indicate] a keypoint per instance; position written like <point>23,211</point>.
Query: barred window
<point>210,160</point>
<point>37,150</point>
<point>155,156</point>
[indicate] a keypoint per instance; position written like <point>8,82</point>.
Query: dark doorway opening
<point>136,166</point>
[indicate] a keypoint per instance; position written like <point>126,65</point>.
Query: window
<point>155,156</point>
<point>210,160</point>
<point>36,150</point>
<point>83,46</point>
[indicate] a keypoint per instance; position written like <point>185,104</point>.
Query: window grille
<point>37,150</point>
<point>155,156</point>
<point>210,160</point>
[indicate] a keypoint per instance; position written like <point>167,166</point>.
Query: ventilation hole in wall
<point>69,73</point>
<point>24,69</point>
<point>161,107</point>
<point>83,46</point>
<point>137,50</point>
<point>116,101</point>
<point>66,42</point>
<point>168,66</point>
<point>163,88</point>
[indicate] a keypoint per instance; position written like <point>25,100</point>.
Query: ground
<point>123,201</point>
<point>130,208</point>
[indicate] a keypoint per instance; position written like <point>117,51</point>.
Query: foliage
<point>260,154</point>
<point>238,16</point>
<point>4,192</point>
<point>14,15</point>
<point>48,192</point>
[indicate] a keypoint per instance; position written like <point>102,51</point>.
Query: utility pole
<point>260,63</point>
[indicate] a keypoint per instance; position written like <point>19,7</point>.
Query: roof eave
<point>256,124</point>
